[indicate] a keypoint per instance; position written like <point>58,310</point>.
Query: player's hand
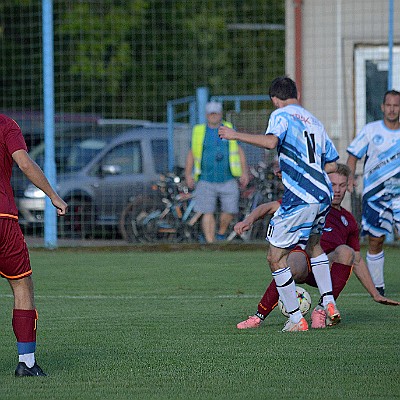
<point>385,301</point>
<point>352,183</point>
<point>60,205</point>
<point>242,227</point>
<point>226,133</point>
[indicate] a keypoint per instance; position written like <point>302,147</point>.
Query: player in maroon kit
<point>14,257</point>
<point>340,241</point>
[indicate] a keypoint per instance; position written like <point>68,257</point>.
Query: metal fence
<point>118,65</point>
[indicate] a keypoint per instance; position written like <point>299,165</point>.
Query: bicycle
<point>168,215</point>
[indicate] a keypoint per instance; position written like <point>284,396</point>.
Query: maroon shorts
<point>14,256</point>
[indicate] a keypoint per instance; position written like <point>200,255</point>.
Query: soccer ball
<point>304,299</point>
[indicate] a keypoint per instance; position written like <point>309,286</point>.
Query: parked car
<point>99,177</point>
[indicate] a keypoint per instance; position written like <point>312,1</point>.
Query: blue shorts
<point>206,195</point>
<point>291,226</point>
<point>380,215</point>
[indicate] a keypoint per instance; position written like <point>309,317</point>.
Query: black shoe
<point>23,370</point>
<point>381,290</point>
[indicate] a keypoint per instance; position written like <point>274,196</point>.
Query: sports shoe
<point>252,322</point>
<point>381,290</point>
<point>23,370</point>
<point>220,237</point>
<point>318,318</point>
<point>332,314</point>
<point>290,326</point>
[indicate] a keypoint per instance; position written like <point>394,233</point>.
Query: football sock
<point>340,274</point>
<point>287,292</point>
<point>24,326</point>
<point>375,264</point>
<point>28,359</point>
<point>322,275</point>
<point>268,301</point>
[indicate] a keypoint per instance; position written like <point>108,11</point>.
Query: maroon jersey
<point>11,140</point>
<point>340,228</point>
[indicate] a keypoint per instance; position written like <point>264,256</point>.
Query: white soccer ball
<point>304,299</point>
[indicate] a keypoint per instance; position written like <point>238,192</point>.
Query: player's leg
<point>15,266</point>
<point>298,263</point>
<point>377,220</point>
<point>321,271</point>
<point>341,261</point>
<point>376,261</point>
<point>288,227</point>
<point>286,288</point>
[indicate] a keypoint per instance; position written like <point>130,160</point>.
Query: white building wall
<point>331,31</point>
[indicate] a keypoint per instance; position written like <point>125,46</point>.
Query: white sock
<point>375,264</point>
<point>287,292</point>
<point>322,275</point>
<point>28,359</point>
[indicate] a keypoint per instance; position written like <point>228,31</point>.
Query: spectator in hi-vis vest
<point>214,165</point>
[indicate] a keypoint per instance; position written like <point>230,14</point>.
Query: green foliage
<point>128,58</point>
<point>161,325</point>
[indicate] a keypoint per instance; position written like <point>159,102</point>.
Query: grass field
<point>116,324</point>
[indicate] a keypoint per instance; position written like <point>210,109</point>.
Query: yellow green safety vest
<point>198,133</point>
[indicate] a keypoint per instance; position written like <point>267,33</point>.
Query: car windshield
<point>71,156</point>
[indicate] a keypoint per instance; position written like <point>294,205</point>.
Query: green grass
<point>162,325</point>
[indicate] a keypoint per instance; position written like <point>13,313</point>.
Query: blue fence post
<point>50,217</point>
<point>390,45</point>
<point>202,95</point>
<point>170,124</point>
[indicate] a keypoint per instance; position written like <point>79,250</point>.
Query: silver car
<point>98,177</point>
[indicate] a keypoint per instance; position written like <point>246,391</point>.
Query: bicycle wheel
<point>136,222</point>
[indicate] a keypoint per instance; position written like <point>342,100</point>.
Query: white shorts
<point>380,215</point>
<point>291,226</point>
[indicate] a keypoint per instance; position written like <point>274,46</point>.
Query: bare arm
<point>34,173</point>
<point>258,213</point>
<point>351,163</point>
<point>363,275</point>
<point>189,169</point>
<point>244,179</point>
<point>264,141</point>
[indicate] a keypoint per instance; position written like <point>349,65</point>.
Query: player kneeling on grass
<point>340,240</point>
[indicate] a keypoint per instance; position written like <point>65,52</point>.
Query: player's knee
<point>297,262</point>
<point>345,255</point>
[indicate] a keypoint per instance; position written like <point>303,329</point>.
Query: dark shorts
<point>14,255</point>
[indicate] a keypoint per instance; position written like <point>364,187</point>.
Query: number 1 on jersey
<point>310,138</point>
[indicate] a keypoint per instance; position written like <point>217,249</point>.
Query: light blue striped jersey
<point>381,148</point>
<point>304,148</point>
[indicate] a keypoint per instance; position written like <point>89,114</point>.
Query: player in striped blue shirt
<point>306,156</point>
<point>379,142</point>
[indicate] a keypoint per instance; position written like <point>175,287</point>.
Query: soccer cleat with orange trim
<point>290,326</point>
<point>252,322</point>
<point>318,318</point>
<point>332,315</point>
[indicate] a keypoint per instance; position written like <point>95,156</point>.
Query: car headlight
<point>33,192</point>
